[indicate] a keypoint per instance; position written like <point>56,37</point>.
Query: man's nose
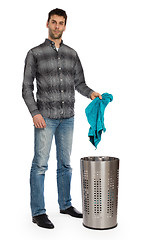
<point>57,26</point>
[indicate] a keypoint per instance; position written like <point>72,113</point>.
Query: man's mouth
<point>56,31</point>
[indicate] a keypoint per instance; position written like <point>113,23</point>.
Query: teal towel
<point>95,116</point>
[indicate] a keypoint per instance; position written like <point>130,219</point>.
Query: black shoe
<point>43,221</point>
<point>72,212</point>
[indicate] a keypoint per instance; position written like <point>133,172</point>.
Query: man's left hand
<point>95,95</point>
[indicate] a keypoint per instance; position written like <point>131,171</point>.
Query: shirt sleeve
<point>80,84</point>
<point>28,83</point>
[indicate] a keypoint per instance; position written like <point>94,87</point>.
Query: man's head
<point>58,12</point>
<point>56,23</point>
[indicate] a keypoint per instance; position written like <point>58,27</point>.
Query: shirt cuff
<point>91,91</point>
<point>35,112</point>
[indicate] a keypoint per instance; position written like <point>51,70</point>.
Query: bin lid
<point>99,158</point>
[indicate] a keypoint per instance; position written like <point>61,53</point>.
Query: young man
<point>58,73</point>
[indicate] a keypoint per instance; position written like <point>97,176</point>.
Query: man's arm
<point>80,84</point>
<point>27,90</point>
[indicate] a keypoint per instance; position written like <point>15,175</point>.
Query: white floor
<point>65,228</point>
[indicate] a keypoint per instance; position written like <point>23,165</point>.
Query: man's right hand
<point>39,121</point>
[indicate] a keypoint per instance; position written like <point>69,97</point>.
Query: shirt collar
<point>51,43</point>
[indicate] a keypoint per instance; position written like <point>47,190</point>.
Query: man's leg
<point>43,140</point>
<point>63,138</point>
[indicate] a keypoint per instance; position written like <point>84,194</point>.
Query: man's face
<point>56,26</point>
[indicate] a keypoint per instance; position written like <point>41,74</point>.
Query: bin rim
<point>99,158</point>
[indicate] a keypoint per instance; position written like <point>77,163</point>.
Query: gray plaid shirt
<point>58,74</point>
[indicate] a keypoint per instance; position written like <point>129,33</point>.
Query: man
<point>58,73</point>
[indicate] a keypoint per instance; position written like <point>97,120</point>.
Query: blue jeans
<point>62,129</point>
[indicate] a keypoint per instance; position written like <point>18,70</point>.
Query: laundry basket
<point>99,183</point>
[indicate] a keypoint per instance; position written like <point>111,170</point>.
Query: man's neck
<point>56,41</point>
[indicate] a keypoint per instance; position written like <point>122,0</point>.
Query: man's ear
<point>47,24</point>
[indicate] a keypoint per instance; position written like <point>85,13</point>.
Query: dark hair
<point>58,12</point>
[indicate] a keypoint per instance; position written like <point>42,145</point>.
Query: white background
<point>109,38</point>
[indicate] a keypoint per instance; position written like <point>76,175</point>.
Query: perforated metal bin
<point>99,183</point>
